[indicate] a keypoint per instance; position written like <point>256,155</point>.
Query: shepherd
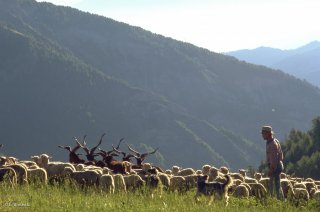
<point>274,161</point>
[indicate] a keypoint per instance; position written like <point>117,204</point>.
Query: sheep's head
<point>146,167</point>
<point>243,172</point>
<point>127,166</point>
<point>168,172</point>
<point>205,169</point>
<point>79,167</point>
<point>257,176</point>
<point>283,175</point>
<point>12,160</point>
<point>106,170</point>
<point>214,172</point>
<point>3,161</point>
<point>224,170</point>
<point>198,172</point>
<point>67,171</point>
<point>175,169</point>
<point>44,159</point>
<point>36,159</point>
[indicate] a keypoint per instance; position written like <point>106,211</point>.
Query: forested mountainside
<point>67,73</point>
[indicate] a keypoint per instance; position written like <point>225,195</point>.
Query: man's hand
<point>270,173</point>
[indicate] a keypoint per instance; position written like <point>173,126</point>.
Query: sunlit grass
<point>71,198</point>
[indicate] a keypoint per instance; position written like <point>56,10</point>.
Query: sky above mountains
<point>217,25</point>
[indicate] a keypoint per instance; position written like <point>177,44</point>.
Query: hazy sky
<point>218,25</point>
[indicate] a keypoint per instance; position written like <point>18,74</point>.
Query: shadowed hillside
<point>68,73</point>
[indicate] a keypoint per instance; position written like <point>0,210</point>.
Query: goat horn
<point>132,150</point>
<point>119,143</point>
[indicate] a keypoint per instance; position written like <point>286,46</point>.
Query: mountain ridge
<point>301,62</point>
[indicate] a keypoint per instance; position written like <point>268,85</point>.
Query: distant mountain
<point>66,73</point>
<point>302,62</point>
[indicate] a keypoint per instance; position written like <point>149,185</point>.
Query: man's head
<point>267,132</point>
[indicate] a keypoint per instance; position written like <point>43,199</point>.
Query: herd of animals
<point>110,175</point>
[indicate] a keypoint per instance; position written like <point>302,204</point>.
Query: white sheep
<point>191,181</point>
<point>127,166</point>
<point>37,160</point>
<point>257,176</point>
<point>283,175</point>
<point>119,183</point>
<point>133,181</point>
<point>79,167</point>
<point>175,170</point>
<point>106,183</point>
<point>106,170</point>
<point>168,172</point>
<point>213,174</point>
<point>177,183</point>
<point>199,172</point>
<point>37,175</point>
<point>146,167</point>
<point>315,194</point>
<point>11,160</point>
<point>310,185</point>
<point>205,169</point>
<point>285,185</point>
<point>185,172</point>
<point>237,176</point>
<point>241,191</point>
<point>9,174</point>
<point>90,177</point>
<point>27,163</point>
<point>299,185</point>
<point>247,186</point>
<point>258,190</point>
<point>250,180</point>
<point>247,179</point>
<point>165,180</point>
<point>53,168</point>
<point>93,168</point>
<point>296,195</point>
<point>21,171</point>
<point>224,170</point>
<point>301,193</point>
<point>153,185</point>
<point>265,182</point>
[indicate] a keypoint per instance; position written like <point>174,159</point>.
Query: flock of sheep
<point>110,175</point>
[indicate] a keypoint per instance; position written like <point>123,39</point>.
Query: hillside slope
<point>75,73</point>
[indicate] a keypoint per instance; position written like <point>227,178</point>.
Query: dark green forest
<point>65,73</point>
<point>302,151</point>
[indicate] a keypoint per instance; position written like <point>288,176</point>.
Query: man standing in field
<point>274,161</point>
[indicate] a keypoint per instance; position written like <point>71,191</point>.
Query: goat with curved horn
<point>90,152</point>
<point>140,157</point>
<point>73,156</point>
<point>126,157</point>
<point>115,165</point>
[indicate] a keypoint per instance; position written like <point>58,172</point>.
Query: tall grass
<point>70,198</point>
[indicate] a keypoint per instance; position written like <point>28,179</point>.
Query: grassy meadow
<point>71,198</point>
